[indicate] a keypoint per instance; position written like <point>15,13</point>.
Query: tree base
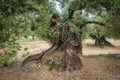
<point>56,59</point>
<point>66,41</point>
<point>103,42</point>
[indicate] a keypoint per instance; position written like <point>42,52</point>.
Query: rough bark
<point>64,40</point>
<point>105,42</point>
<point>101,41</point>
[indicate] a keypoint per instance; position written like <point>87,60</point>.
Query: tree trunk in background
<point>33,37</point>
<point>103,42</point>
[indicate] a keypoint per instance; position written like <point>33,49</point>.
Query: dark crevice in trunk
<point>71,12</point>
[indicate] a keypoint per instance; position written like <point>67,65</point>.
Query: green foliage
<point>25,49</point>
<point>10,52</point>
<point>45,33</point>
<point>113,28</point>
<point>74,28</point>
<point>16,19</point>
<point>96,30</point>
<point>51,67</point>
<point>99,10</point>
<point>65,13</point>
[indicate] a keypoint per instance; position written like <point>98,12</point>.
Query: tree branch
<point>94,22</point>
<point>71,12</point>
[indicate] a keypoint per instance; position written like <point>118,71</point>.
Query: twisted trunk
<point>64,41</point>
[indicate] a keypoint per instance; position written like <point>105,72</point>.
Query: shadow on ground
<point>110,55</point>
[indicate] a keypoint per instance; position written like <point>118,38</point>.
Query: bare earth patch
<point>88,49</point>
<point>106,66</point>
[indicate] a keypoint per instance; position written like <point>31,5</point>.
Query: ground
<point>99,63</point>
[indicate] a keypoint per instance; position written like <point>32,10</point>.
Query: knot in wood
<point>74,43</point>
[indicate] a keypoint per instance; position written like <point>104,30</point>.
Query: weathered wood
<point>39,55</point>
<point>65,40</point>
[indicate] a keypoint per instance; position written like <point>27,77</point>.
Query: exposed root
<point>103,42</point>
<point>107,43</point>
<point>39,55</point>
<point>71,62</point>
<point>63,62</point>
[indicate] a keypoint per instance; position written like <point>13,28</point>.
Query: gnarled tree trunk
<point>64,41</point>
<point>101,41</point>
<point>105,42</point>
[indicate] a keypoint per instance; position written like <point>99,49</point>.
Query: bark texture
<point>102,41</point>
<point>64,40</point>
